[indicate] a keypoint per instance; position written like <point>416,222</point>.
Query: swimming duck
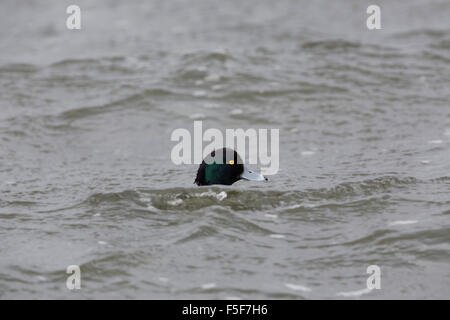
<point>224,166</point>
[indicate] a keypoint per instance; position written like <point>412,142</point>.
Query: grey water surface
<point>86,176</point>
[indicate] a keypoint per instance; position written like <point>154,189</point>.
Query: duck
<point>224,167</point>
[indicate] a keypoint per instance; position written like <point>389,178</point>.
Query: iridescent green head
<point>224,166</point>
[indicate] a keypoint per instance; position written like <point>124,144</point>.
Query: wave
<point>207,56</point>
<point>428,33</point>
<point>18,68</point>
<point>330,45</point>
<point>443,45</point>
<point>193,199</point>
<point>83,112</point>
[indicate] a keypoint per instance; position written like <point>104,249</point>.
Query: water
<point>86,177</point>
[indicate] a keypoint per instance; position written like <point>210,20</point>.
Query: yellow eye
<point>231,162</point>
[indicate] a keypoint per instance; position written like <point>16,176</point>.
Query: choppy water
<point>85,170</point>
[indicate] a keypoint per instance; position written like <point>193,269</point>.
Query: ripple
<point>428,33</point>
<point>205,56</point>
<point>84,112</point>
<point>18,68</point>
<point>298,287</point>
<point>354,294</point>
<point>402,222</point>
<point>330,45</point>
<point>180,199</point>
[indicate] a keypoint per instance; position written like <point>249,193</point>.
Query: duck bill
<point>251,175</point>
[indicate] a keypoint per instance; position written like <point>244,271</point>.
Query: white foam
<point>274,216</point>
<point>199,93</point>
<point>222,195</point>
<point>219,196</point>
<point>102,243</point>
<point>175,202</point>
<point>425,161</point>
<point>402,222</point>
<point>297,287</point>
<point>277,236</point>
<point>163,279</point>
<point>305,205</point>
<point>356,293</point>
<point>148,201</point>
<point>207,286</point>
<point>435,141</point>
<point>236,112</point>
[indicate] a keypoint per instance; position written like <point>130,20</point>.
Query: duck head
<point>224,166</point>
